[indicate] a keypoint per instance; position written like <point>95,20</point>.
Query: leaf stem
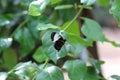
<point>72,56</point>
<point>86,7</point>
<point>21,25</point>
<point>46,62</point>
<point>77,15</point>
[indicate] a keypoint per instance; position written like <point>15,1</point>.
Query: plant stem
<point>86,7</point>
<point>46,62</point>
<point>21,25</point>
<point>77,15</point>
<point>34,78</point>
<point>72,56</point>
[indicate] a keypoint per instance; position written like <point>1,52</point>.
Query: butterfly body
<point>57,40</point>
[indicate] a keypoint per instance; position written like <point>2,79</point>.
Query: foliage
<point>115,77</point>
<point>115,10</point>
<point>46,31</point>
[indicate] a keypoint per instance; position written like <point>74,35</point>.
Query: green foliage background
<point>25,35</point>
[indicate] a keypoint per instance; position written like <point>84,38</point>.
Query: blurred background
<point>108,53</point>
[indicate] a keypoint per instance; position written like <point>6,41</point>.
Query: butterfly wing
<point>57,40</point>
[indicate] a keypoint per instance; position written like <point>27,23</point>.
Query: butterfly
<point>58,40</point>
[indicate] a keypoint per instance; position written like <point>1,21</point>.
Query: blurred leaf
<point>36,8</point>
<point>67,14</point>
<point>50,73</point>
<point>60,7</point>
<point>10,58</point>
<point>25,38</point>
<point>13,77</point>
<point>42,26</point>
<point>3,75</point>
<point>52,2</point>
<point>91,74</point>
<point>116,77</point>
<point>92,30</point>
<point>4,20</point>
<point>76,69</point>
<point>34,32</point>
<point>22,65</point>
<point>24,2</point>
<point>39,55</point>
<point>104,3</point>
<point>97,64</point>
<point>54,18</point>
<point>25,71</point>
<point>49,48</point>
<point>88,2</point>
<point>33,22</point>
<point>115,10</point>
<point>5,43</point>
<point>4,3</point>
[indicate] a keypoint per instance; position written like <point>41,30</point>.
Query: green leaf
<point>4,3</point>
<point>42,26</point>
<point>26,40</point>
<point>67,14</point>
<point>13,77</point>
<point>32,27</point>
<point>76,44</point>
<point>113,43</point>
<point>49,49</point>
<point>25,71</point>
<point>5,43</point>
<point>39,55</point>
<point>22,65</point>
<point>50,73</point>
<point>91,74</point>
<point>75,49</point>
<point>10,58</point>
<point>77,39</point>
<point>97,64</point>
<point>54,17</point>
<point>116,77</point>
<point>4,20</point>
<point>74,28</point>
<point>42,65</point>
<point>52,2</point>
<point>88,2</point>
<point>76,69</point>
<point>74,34</point>
<point>60,7</point>
<point>104,3</point>
<point>36,8</point>
<point>92,30</point>
<point>3,75</point>
<point>115,10</point>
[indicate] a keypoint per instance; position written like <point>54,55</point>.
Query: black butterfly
<point>57,40</point>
